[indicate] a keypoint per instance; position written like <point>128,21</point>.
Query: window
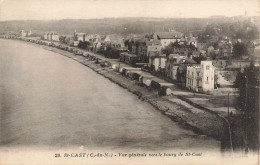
<point>198,74</point>
<point>207,67</point>
<point>192,73</point>
<point>207,80</point>
<point>188,72</point>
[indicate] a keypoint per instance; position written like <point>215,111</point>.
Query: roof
<point>152,53</point>
<point>128,54</point>
<point>181,68</point>
<point>80,33</point>
<point>173,56</point>
<point>183,39</point>
<point>257,55</point>
<point>141,40</point>
<point>189,61</point>
<point>221,44</point>
<point>257,47</point>
<point>168,35</point>
<point>192,39</point>
<point>154,42</point>
<point>115,38</point>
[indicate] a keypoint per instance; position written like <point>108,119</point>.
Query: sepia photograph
<point>136,82</point>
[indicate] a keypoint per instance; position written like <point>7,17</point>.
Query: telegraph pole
<point>228,106</point>
<point>229,129</point>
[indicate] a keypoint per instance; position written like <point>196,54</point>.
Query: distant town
<point>215,68</point>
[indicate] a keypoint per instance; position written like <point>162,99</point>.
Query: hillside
<point>115,25</point>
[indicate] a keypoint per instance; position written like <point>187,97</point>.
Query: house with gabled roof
<point>225,49</point>
<point>174,61</point>
<point>192,41</point>
<point>115,40</point>
<point>167,37</point>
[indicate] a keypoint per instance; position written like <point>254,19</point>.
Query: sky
<point>89,9</point>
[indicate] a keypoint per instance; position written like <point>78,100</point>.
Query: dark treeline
<point>248,83</point>
<point>120,25</point>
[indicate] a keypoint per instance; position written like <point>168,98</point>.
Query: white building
<point>157,62</point>
<point>79,36</point>
<point>200,77</point>
<point>55,37</point>
<point>29,33</point>
<point>23,33</point>
<point>115,40</point>
<point>51,36</point>
<point>45,36</point>
<point>192,41</point>
<point>167,37</point>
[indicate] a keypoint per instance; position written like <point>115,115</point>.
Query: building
<point>210,51</point>
<point>167,37</point>
<point>202,46</point>
<point>55,37</point>
<point>79,37</point>
<point>128,58</point>
<point>144,48</point>
<point>200,77</point>
<point>183,41</point>
<point>114,40</point>
<point>256,56</point>
<point>45,36</point>
<point>29,33</point>
<point>96,43</point>
<point>174,61</point>
<point>183,50</point>
<point>250,48</point>
<point>23,33</point>
<point>192,41</point>
<point>141,49</point>
<point>154,54</point>
<point>172,65</point>
<point>49,36</point>
<point>225,49</point>
<point>157,62</point>
<point>220,63</point>
<point>153,48</point>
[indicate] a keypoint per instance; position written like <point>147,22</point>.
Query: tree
<point>248,84</point>
<point>199,59</point>
<point>62,39</point>
<point>69,40</point>
<point>84,45</point>
<point>240,49</point>
<point>169,49</point>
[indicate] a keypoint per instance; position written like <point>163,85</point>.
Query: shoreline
<point>198,120</point>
